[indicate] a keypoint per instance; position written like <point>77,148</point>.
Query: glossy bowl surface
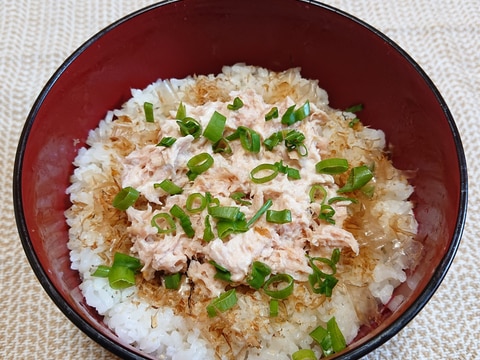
<point>352,61</point>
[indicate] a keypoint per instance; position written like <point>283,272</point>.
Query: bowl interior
<point>352,61</point>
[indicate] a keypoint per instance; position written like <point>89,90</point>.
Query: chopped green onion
<point>353,122</point>
<point>341,198</point>
<point>238,197</point>
<point>169,187</point>
<point>101,271</point>
<point>196,202</point>
<point>331,339</point>
<point>332,166</point>
<point>121,277</point>
<point>227,227</point>
<point>222,303</point>
<point>230,213</point>
<point>291,116</point>
<point>190,126</point>
<point>172,281</point>
<point>271,169</point>
<point>323,338</point>
<point>222,273</point>
<point>259,273</point>
<point>326,213</point>
<point>260,212</point>
<point>273,140</point>
<point>249,138</point>
<point>185,222</point>
<point>354,108</point>
<point>198,164</point>
<point>338,340</point>
<point>167,141</point>
<point>303,111</point>
<point>304,354</point>
<point>272,114</point>
<point>271,286</point>
<point>222,147</point>
<point>314,190</point>
<point>291,173</point>
<point>125,198</point>
<point>122,272</point>
<point>328,262</point>
<point>215,127</point>
<point>211,201</point>
<point>368,190</point>
<point>208,232</point>
<point>359,177</point>
<point>148,110</point>
<point>167,221</point>
<point>294,139</point>
<point>124,260</point>
<point>279,216</point>
<point>318,334</point>
<point>335,256</point>
<point>321,285</point>
<point>326,345</point>
<point>237,104</point>
<point>181,112</point>
<point>288,118</point>
<point>273,307</point>
<point>320,281</point>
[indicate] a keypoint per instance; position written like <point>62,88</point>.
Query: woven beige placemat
<point>443,36</point>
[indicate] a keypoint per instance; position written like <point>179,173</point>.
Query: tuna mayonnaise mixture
<point>371,225</point>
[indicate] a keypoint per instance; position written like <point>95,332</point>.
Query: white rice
<point>366,281</point>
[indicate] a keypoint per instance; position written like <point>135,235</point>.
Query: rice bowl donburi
<point>237,215</point>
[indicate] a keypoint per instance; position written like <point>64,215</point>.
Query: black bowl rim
<point>123,351</point>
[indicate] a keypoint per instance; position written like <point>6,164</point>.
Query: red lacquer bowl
<point>352,61</point>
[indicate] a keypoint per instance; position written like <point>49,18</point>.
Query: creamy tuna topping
<point>283,247</point>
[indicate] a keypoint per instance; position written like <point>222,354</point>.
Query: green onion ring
<point>200,163</point>
<point>313,192</point>
<point>282,293</point>
<point>264,167</point>
<point>193,199</point>
<point>170,223</point>
<point>332,166</point>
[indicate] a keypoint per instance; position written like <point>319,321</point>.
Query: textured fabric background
<point>443,36</point>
